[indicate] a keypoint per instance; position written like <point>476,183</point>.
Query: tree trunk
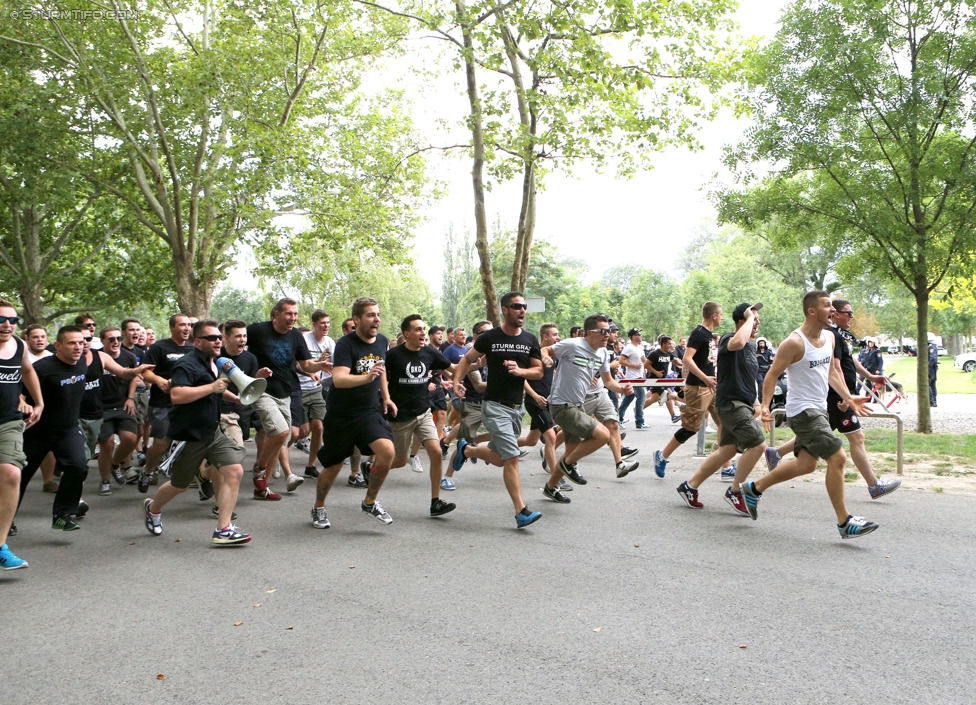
<point>477,170</point>
<point>33,304</point>
<point>526,229</point>
<point>922,361</point>
<point>193,294</point>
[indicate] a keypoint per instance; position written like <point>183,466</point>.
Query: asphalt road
<point>625,595</point>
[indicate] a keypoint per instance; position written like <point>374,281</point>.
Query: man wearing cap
<point>735,402</point>
<point>699,385</point>
<point>632,360</point>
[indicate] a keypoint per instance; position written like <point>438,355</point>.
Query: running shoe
<point>676,418</point>
<point>364,469</point>
<point>458,460</point>
<point>319,519</point>
<point>564,486</point>
<point>140,458</point>
<point>82,509</point>
<point>448,484</point>
<point>118,475</point>
<point>215,510</point>
<point>261,489</point>
<point>8,561</point>
<point>312,472</point>
<point>154,522</point>
<point>229,536</point>
<point>660,463</point>
<point>304,445</point>
<point>555,495</point>
<point>376,510</point>
<point>13,529</point>
<point>570,472</point>
<point>690,495</point>
<point>444,449</point>
<point>884,487</point>
<point>623,435</point>
<point>772,459</point>
<point>50,487</point>
<point>641,426</point>
<point>856,526</point>
<point>205,488</point>
<point>143,484</point>
<point>751,496</point>
<point>628,453</point>
<point>131,476</point>
<point>624,468</point>
<point>438,507</point>
<point>736,501</point>
<point>293,481</point>
<point>728,474</point>
<point>356,481</point>
<point>64,523</point>
<point>105,489</point>
<point>525,517</point>
<point>415,464</point>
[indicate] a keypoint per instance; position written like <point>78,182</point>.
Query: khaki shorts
<point>314,404</point>
<point>220,452</point>
<point>421,427</point>
<point>698,402</point>
<point>470,420</point>
<point>600,406</point>
<point>230,424</point>
<point>90,429</point>
<point>577,425</point>
<point>141,400</point>
<point>12,444</point>
<point>275,414</point>
<point>740,426</point>
<point>813,434</point>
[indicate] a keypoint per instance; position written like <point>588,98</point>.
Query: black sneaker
<point>205,490</point>
<point>444,449</point>
<point>312,472</point>
<point>628,453</point>
<point>357,481</point>
<point>143,485</point>
<point>82,509</point>
<point>555,495</point>
<point>364,471</point>
<point>570,472</point>
<point>13,530</point>
<point>215,510</point>
<point>118,475</point>
<point>376,510</point>
<point>64,523</point>
<point>439,507</point>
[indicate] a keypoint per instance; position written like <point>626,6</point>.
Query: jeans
<point>637,396</point>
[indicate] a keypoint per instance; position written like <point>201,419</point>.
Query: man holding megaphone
<point>196,388</point>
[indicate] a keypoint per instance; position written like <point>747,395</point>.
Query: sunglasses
<point>12,320</point>
<point>88,339</point>
<point>517,307</point>
<point>211,338</point>
<point>605,332</point>
<point>113,339</point>
<point>847,313</point>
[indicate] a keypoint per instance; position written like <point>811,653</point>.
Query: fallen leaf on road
<point>270,591</point>
<point>351,567</point>
<point>258,604</point>
<point>743,646</point>
<point>159,676</point>
<point>596,629</point>
<point>636,545</point>
<point>237,624</point>
<point>289,628</point>
<point>178,541</point>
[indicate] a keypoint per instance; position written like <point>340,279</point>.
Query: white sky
<point>594,217</point>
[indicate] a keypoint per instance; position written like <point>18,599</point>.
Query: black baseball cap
<point>633,331</point>
<point>739,314</point>
<point>434,329</point>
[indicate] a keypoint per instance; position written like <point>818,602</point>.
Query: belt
<point>516,407</point>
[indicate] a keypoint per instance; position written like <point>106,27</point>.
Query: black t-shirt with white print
<point>408,373</point>
<point>359,356</point>
<point>498,346</point>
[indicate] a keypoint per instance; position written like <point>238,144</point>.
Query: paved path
<point>625,595</point>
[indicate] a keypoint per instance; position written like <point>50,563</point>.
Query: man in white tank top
<point>809,354</point>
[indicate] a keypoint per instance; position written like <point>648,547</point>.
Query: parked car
<point>966,362</point>
<point>942,351</point>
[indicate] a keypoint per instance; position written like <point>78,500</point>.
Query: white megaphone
<point>250,389</point>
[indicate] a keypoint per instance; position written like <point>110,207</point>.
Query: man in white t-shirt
<point>632,362</point>
<point>316,387</point>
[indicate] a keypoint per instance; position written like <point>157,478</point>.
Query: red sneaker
<point>736,501</point>
<point>689,495</point>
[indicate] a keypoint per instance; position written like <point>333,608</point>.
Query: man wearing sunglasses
<point>62,379</point>
<point>196,389</point>
<point>512,356</point>
<point>16,374</point>
<point>86,321</point>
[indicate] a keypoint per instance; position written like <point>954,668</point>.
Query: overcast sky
<point>595,217</point>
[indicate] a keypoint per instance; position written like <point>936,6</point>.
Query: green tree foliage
<point>874,102</point>
<point>223,115</point>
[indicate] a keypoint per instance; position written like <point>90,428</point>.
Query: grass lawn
<point>951,380</point>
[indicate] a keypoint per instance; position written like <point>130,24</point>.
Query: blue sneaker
<point>751,497</point>
<point>772,459</point>
<point>660,463</point>
<point>8,561</point>
<point>854,527</point>
<point>448,484</point>
<point>728,474</point>
<point>525,517</point>
<point>458,460</point>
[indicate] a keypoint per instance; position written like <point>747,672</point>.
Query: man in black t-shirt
<point>164,354</point>
<point>699,384</point>
<point>512,356</point>
<point>132,335</point>
<point>118,411</point>
<point>410,367</point>
<point>537,405</point>
<point>62,386</point>
<point>195,391</point>
<point>735,402</point>
<point>354,412</point>
<point>15,371</point>
<point>662,363</point>
<point>279,346</point>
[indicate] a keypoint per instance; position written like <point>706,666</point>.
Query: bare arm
<point>343,378</point>
<point>28,377</point>
<point>691,368</point>
<point>187,395</point>
<point>615,386</point>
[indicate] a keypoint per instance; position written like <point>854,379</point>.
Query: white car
<point>966,362</point>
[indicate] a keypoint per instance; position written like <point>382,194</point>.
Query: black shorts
<point>541,418</point>
<point>843,421</point>
<point>116,421</point>
<point>342,434</point>
<point>438,399</point>
<point>297,409</point>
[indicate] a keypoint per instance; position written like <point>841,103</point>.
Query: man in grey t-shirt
<point>580,360</point>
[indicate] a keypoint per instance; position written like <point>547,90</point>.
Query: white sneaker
<point>293,482</point>
<point>277,471</point>
<point>415,464</point>
<point>625,467</point>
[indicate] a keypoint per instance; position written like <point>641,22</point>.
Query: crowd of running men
<point>168,413</point>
